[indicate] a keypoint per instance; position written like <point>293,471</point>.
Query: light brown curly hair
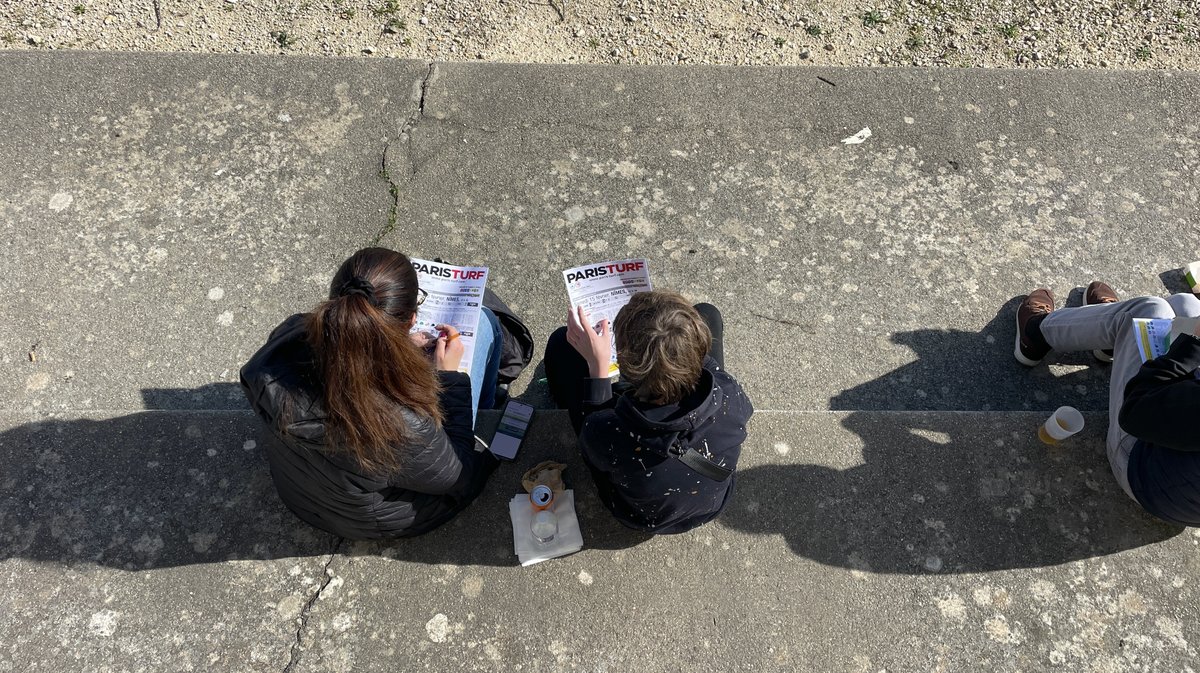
<point>661,345</point>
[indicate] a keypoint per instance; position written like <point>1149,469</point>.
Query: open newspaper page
<point>455,297</point>
<point>602,289</point>
<point>1154,336</point>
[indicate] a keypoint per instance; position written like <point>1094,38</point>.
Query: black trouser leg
<point>716,324</point>
<point>565,373</point>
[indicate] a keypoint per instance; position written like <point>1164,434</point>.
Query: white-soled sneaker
<point>1100,293</point>
<point>1038,302</point>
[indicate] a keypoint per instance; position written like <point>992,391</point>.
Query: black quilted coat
<point>440,471</point>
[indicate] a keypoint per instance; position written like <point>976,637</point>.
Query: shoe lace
<point>1039,305</point>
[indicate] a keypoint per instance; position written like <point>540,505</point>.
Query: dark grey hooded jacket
<point>627,447</point>
<point>440,473</point>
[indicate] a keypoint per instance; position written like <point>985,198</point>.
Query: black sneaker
<point>1039,303</point>
<point>1100,293</point>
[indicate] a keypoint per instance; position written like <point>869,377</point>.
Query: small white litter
<point>858,137</point>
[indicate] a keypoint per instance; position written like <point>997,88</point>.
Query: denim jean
<point>485,367</point>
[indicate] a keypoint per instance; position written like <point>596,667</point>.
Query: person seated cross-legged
<point>663,448</point>
<point>373,424</point>
<point>1153,438</point>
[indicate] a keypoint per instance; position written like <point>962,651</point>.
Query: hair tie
<point>358,286</point>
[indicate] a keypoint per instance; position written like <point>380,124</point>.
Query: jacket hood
<point>282,377</point>
<point>658,427</point>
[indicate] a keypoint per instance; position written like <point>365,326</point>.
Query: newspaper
<point>1154,336</point>
<point>455,297</point>
<point>603,288</point>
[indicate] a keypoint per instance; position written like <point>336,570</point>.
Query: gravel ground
<point>1126,34</point>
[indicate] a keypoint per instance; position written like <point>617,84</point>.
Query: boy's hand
<point>595,347</point>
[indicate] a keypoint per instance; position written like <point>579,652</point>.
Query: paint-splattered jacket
<point>440,471</point>
<point>627,447</point>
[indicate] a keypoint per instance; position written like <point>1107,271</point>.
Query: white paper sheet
<point>602,289</point>
<point>455,298</point>
<point>568,541</point>
<point>1154,336</point>
<point>859,137</point>
<point>1191,274</point>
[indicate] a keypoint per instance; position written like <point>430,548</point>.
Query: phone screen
<point>511,431</point>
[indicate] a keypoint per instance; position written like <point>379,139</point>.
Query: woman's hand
<point>595,347</point>
<point>448,352</point>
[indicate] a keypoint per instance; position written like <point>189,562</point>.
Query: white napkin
<point>568,540</point>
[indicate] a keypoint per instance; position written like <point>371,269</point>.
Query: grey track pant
<point>1108,326</point>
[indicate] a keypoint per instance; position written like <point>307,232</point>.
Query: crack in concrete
<point>326,578</point>
<point>407,136</point>
<point>809,329</point>
<point>157,15</point>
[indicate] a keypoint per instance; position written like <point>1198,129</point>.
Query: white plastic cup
<point>1064,422</point>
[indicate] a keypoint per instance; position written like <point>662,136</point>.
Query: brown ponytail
<point>368,365</point>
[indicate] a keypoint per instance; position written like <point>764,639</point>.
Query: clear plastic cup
<point>544,526</point>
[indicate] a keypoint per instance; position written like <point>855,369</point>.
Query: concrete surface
<point>876,264</point>
<point>858,276</point>
<point>162,214</point>
<point>148,542</point>
<point>858,541</point>
<point>894,511</point>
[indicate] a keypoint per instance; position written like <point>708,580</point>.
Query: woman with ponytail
<point>375,426</point>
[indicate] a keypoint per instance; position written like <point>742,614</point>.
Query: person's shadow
<point>975,371</point>
<point>949,491</point>
<point>165,488</point>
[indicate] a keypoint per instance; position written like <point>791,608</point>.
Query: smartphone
<point>511,431</point>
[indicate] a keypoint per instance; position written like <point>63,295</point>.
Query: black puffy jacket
<point>440,473</point>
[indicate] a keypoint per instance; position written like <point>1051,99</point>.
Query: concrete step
<point>855,541</point>
<point>162,214</point>
<point>165,212</point>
